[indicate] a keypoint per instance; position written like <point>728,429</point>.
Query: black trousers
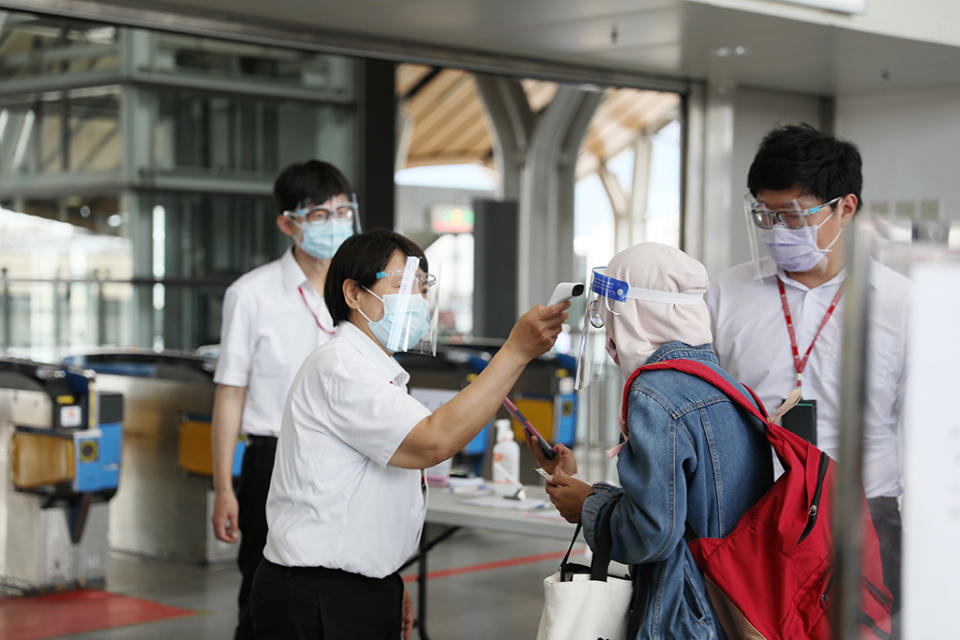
<point>252,500</point>
<point>314,603</point>
<point>885,513</point>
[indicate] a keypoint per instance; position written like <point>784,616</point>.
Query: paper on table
<point>504,503</point>
<point>546,514</point>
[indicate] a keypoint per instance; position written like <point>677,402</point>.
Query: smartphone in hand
<point>529,430</point>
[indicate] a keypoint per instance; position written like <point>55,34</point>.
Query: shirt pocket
<point>694,602</point>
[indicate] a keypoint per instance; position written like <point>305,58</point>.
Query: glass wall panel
<point>207,242</point>
<point>239,136</point>
<point>153,276</point>
<point>136,171</point>
<point>59,279</point>
<point>47,46</point>
<point>75,131</point>
<point>329,76</point>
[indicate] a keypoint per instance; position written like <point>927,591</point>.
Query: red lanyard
<point>310,309</point>
<point>799,364</point>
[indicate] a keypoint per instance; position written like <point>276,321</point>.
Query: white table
<point>447,509</point>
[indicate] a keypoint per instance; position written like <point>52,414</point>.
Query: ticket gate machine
<point>165,503</point>
<point>60,447</point>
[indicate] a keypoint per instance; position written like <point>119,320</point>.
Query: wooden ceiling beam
<point>407,76</point>
<point>423,101</point>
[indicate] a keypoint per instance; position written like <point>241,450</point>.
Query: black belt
<point>261,441</point>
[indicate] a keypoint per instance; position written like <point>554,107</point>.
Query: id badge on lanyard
<point>802,419</point>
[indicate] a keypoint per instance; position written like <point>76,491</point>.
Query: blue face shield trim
<point>609,287</point>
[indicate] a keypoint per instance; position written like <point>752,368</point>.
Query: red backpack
<point>771,577</point>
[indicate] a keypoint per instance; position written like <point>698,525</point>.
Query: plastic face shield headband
<point>605,294</point>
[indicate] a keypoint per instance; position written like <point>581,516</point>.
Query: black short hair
<point>360,258</point>
<point>799,155</point>
<point>310,182</point>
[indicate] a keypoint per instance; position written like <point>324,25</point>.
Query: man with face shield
<point>777,320</point>
<point>272,318</point>
<point>348,496</point>
<point>690,463</point>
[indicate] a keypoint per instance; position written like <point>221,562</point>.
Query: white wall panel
<point>909,145</point>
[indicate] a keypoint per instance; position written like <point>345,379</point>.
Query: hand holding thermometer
<point>529,429</point>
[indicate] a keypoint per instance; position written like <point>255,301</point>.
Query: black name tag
<point>802,420</point>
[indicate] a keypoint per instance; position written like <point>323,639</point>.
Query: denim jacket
<point>693,462</point>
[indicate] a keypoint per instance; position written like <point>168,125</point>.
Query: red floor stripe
<point>71,612</point>
<point>499,564</point>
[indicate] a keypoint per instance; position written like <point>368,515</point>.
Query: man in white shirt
<point>777,321</point>
<point>273,317</point>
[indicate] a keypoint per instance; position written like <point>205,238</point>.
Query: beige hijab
<point>643,326</point>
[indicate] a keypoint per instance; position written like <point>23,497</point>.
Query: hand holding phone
<point>565,291</point>
<point>529,430</point>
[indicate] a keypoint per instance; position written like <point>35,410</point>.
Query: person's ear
<point>351,293</point>
<point>288,227</point>
<point>847,207</point>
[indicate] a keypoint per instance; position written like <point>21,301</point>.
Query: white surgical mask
<point>322,238</point>
<point>796,250</point>
<point>414,322</point>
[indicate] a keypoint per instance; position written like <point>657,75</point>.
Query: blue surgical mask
<point>408,328</point>
<point>322,238</point>
<point>795,250</point>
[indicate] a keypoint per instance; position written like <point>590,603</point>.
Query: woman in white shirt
<point>347,498</point>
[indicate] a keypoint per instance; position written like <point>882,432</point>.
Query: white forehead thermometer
<point>565,291</point>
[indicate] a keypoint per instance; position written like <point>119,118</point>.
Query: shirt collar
<point>764,268</point>
<point>292,275</point>
<point>372,352</point>
<point>767,268</point>
<point>674,350</point>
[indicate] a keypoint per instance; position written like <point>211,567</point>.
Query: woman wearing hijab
<point>691,463</point>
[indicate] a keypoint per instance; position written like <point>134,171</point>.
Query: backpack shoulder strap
<point>706,373</point>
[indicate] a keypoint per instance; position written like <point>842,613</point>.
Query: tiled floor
<point>502,602</point>
<point>75,611</point>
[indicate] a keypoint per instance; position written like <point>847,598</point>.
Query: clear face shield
<point>324,227</point>
<point>409,318</point>
<point>785,234</point>
<point>605,302</point>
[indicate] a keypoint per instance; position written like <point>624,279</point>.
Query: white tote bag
<point>585,603</point>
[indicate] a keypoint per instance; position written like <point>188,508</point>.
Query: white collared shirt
<point>334,501</point>
<point>269,328</point>
<point>752,343</point>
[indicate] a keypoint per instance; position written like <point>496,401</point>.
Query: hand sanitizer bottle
<point>506,455</point>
